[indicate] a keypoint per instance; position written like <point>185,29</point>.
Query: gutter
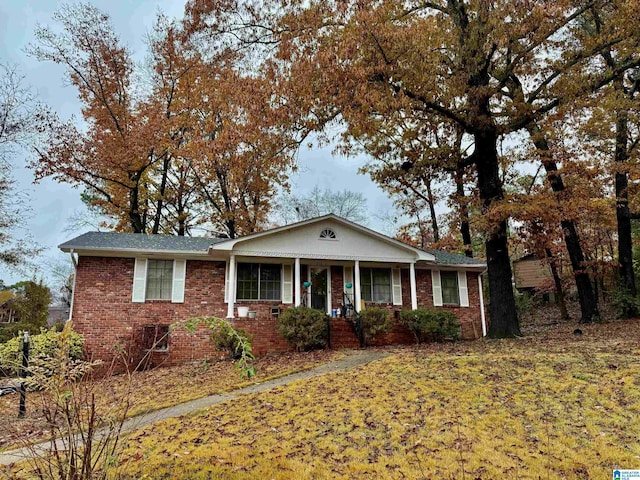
<point>75,277</point>
<point>135,250</point>
<point>73,259</point>
<point>481,295</point>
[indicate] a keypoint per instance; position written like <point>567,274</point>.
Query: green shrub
<point>523,303</point>
<point>225,339</point>
<point>43,345</point>
<point>430,324</point>
<point>375,321</point>
<point>303,327</point>
<point>626,305</point>
<point>12,330</point>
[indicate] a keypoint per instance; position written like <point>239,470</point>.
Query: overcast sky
<point>52,203</point>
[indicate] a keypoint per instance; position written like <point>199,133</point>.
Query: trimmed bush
<point>303,327</point>
<point>225,340</point>
<point>431,325</point>
<point>375,321</point>
<point>43,345</point>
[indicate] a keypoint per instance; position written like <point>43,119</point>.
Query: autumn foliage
<point>191,140</point>
<point>451,100</point>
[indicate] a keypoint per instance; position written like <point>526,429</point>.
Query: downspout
<point>482,318</point>
<point>75,277</point>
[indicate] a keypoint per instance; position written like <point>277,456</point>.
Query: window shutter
<point>347,277</point>
<point>437,288</point>
<point>462,287</point>
<point>139,280</point>
<point>179,274</point>
<point>287,284</point>
<point>396,286</point>
<point>226,282</point>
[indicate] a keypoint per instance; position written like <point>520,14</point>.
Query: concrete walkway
<point>353,359</point>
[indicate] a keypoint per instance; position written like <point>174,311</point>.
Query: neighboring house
<point>57,313</point>
<point>130,287</point>
<point>530,273</point>
<point>7,314</point>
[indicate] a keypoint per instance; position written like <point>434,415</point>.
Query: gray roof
<point>446,258</point>
<point>139,241</point>
<point>119,242</point>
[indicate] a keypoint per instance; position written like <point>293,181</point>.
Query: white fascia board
<point>319,256</point>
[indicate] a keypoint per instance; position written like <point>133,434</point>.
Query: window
<point>258,281</point>
<point>155,337</point>
<point>450,291</point>
<point>7,315</point>
<point>159,279</point>
<point>375,284</point>
<point>328,234</point>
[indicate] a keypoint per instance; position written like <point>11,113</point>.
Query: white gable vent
<point>328,234</point>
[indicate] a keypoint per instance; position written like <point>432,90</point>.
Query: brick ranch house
<point>130,287</point>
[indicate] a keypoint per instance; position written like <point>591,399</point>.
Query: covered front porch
<point>324,284</point>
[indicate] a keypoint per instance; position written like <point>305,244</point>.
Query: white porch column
<point>329,303</point>
<point>356,281</point>
<point>296,279</point>
<point>232,286</point>
<point>484,322</point>
<point>412,282</point>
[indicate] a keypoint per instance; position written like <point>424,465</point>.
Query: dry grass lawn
<point>155,389</point>
<point>554,406</point>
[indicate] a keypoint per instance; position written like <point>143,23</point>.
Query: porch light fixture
<point>306,284</point>
<point>348,285</point>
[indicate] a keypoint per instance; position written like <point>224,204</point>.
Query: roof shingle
<point>139,241</point>
<point>446,258</point>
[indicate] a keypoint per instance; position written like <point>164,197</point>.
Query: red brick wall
<point>469,317</point>
<point>104,313</point>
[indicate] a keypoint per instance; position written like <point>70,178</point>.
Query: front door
<point>318,279</point>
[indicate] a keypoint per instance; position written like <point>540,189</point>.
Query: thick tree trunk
<point>135,217</point>
<point>562,304</point>
<point>465,230</point>
<point>161,193</point>
<point>502,307</point>
<point>588,299</point>
<point>623,216</point>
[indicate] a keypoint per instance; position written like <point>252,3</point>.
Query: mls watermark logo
<point>626,475</point>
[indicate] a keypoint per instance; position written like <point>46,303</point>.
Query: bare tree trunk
<point>432,211</point>
<point>135,217</point>
<point>623,216</point>
<point>588,300</point>
<point>163,188</point>
<point>465,230</point>
<point>562,304</point>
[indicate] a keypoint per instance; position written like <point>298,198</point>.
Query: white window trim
<point>463,289</point>
<point>382,302</point>
<point>238,299</point>
<point>331,231</point>
<point>139,284</point>
<point>457,277</point>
